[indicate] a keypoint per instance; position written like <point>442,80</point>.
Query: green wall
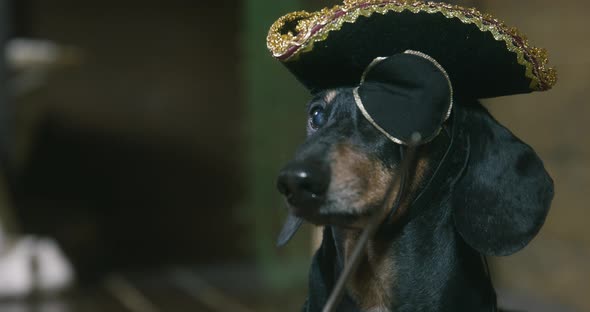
<point>275,109</point>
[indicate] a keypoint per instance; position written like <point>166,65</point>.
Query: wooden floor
<point>185,290</point>
<point>170,291</point>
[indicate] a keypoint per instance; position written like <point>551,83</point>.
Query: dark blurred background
<point>148,149</point>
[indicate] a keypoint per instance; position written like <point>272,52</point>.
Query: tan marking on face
<point>420,171</point>
<point>417,176</point>
<point>330,95</point>
<point>358,182</point>
<point>371,286</point>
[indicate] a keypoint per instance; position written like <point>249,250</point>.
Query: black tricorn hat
<point>483,57</point>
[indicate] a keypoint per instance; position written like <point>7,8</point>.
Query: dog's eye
<point>317,117</point>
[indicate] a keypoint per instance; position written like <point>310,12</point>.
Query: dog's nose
<point>304,185</point>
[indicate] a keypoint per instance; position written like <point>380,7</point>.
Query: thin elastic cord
<point>441,163</point>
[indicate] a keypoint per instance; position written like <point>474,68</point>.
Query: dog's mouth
<point>336,205</point>
<point>344,205</point>
<point>342,184</point>
<point>342,191</point>
<point>341,218</point>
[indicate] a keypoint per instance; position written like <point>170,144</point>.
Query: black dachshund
<point>474,190</point>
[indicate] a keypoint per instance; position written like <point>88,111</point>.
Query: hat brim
<point>484,58</point>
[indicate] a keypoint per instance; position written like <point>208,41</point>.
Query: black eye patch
<point>405,94</point>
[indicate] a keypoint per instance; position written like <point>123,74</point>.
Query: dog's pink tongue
<point>292,224</point>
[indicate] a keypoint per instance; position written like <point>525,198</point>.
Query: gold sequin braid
<point>316,26</point>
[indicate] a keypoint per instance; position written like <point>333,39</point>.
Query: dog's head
<point>342,173</point>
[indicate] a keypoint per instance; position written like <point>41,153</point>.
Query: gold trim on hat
<point>316,26</point>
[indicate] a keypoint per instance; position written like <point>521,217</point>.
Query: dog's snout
<point>304,185</point>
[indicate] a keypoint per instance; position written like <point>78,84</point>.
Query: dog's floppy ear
<point>503,198</point>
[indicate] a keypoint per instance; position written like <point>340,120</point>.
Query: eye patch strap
<point>372,226</point>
